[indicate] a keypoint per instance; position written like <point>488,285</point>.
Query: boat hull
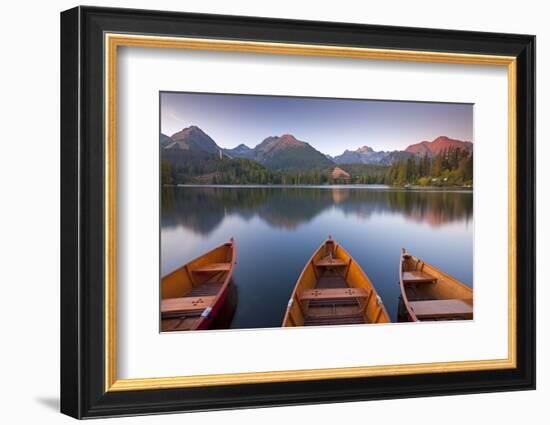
<point>201,286</point>
<point>333,290</point>
<point>216,307</point>
<point>429,294</point>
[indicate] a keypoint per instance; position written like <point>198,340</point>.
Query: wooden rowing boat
<point>428,293</point>
<point>192,295</point>
<point>333,290</point>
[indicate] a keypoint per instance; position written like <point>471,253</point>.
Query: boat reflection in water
<point>227,312</point>
<point>277,229</point>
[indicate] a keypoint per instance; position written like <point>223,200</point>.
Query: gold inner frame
<point>113,41</point>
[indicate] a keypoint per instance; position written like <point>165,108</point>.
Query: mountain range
<point>367,155</point>
<point>279,153</point>
<point>283,153</point>
<point>190,138</point>
<point>438,145</point>
<point>286,153</point>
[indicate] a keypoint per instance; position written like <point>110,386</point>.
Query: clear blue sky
<point>329,125</point>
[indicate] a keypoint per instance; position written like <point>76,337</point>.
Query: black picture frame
<point>83,392</point>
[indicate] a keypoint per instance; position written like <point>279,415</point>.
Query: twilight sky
<point>329,125</point>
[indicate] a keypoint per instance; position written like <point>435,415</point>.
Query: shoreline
<point>326,187</point>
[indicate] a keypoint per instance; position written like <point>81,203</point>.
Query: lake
<point>277,229</point>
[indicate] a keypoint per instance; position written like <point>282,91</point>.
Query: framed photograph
<point>261,212</point>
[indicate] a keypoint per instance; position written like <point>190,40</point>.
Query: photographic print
<point>297,221</point>
<point>297,211</point>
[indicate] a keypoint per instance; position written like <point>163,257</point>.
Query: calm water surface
<point>278,228</point>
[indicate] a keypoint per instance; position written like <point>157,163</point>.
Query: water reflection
<point>202,209</point>
<point>225,316</point>
<point>277,229</point>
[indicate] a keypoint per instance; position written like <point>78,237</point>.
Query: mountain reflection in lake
<point>278,228</point>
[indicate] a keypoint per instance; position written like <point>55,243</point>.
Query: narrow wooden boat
<point>333,290</point>
<point>192,295</point>
<point>430,294</point>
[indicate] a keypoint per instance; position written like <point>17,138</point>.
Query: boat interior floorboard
<point>331,280</point>
<point>418,293</point>
<point>205,289</point>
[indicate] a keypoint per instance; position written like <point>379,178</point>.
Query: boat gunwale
<point>410,311</point>
<point>310,263</point>
<point>367,278</point>
<point>213,304</point>
<point>440,272</point>
<point>223,289</point>
<point>293,294</point>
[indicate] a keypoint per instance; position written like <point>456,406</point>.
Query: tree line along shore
<point>452,167</point>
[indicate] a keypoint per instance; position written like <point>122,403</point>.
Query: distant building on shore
<point>339,176</point>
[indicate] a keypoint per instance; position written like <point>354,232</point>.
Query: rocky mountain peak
<point>194,138</point>
<point>438,145</point>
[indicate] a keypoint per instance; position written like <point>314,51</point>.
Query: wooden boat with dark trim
<point>429,294</point>
<point>192,295</point>
<point>333,290</point>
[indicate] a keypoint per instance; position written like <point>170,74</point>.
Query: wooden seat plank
<point>418,277</point>
<point>185,323</point>
<point>332,293</point>
<point>434,309</point>
<point>331,262</point>
<point>185,304</point>
<point>213,267</point>
<point>335,320</point>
